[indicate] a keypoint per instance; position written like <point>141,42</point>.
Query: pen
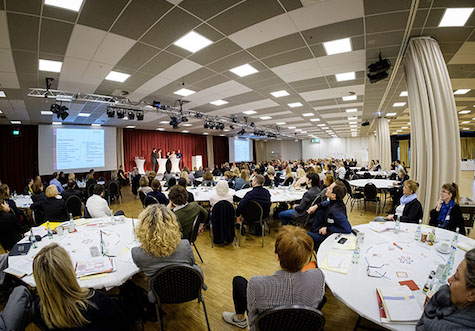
<point>397,246</point>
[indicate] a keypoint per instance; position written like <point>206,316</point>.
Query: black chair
<point>86,213</point>
<point>177,284</point>
<point>267,181</point>
<point>223,217</point>
<point>113,189</point>
<point>74,205</point>
<point>194,235</point>
<point>393,176</point>
<point>230,184</point>
<point>149,200</point>
<point>90,190</point>
<point>247,185</point>
<point>366,175</point>
<point>371,195</point>
<point>142,197</point>
<point>288,181</point>
<point>290,318</point>
<point>378,177</point>
<point>101,179</point>
<point>254,215</point>
<point>353,196</point>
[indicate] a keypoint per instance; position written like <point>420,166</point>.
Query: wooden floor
<point>221,264</point>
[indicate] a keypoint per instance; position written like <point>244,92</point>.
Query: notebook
<point>400,304</point>
<point>20,249</point>
<point>95,265</point>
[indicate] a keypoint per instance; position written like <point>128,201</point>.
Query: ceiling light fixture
<point>84,115</point>
<point>193,42</point>
<point>399,104</point>
<point>249,112</point>
<point>391,114</point>
<point>345,76</point>
<point>352,110</point>
<point>56,123</point>
<point>46,112</point>
<point>308,114</point>
<point>218,102</point>
<point>278,94</point>
<point>462,112</point>
<point>314,120</point>
<point>117,76</point>
<point>73,5</point>
<point>280,123</point>
<point>244,70</point>
<point>160,129</point>
<point>462,91</point>
<point>184,92</point>
<point>95,125</point>
<point>354,118</point>
<point>2,94</point>
<point>48,65</point>
<point>291,127</point>
<point>130,127</point>
<point>15,122</point>
<point>337,46</point>
<point>294,104</point>
<point>265,118</point>
<point>403,94</point>
<point>455,17</point>
<point>349,97</point>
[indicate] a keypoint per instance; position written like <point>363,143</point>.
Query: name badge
<point>447,218</point>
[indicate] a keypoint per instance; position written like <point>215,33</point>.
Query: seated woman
<point>38,193</point>
<point>410,209</point>
<point>293,249</point>
<point>318,170</point>
<point>184,174</point>
<point>222,193</point>
<point>144,187</point>
<point>161,245</point>
<point>301,178</point>
<point>298,213</point>
<point>10,230</point>
<point>5,195</point>
<point>63,304</point>
<point>242,180</point>
<point>182,183</point>
<point>207,179</point>
<point>447,214</point>
<point>157,192</point>
<point>229,177</point>
<point>452,307</point>
<point>269,178</point>
<point>28,190</point>
<point>54,207</point>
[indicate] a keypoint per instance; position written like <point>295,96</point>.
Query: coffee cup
<point>444,247</point>
<point>59,230</point>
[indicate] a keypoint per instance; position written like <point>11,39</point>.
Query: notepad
<point>92,266</point>
<point>338,262</point>
<point>400,304</point>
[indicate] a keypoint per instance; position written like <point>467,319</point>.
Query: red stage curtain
<point>141,142</point>
<point>19,156</point>
<point>220,150</point>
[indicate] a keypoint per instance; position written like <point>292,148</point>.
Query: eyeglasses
<point>374,271</point>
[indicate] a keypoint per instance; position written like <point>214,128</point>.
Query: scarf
<point>443,212</point>
<point>404,200</point>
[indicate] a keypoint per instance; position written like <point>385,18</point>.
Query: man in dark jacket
<point>299,212</point>
<point>70,191</point>
<point>258,194</point>
<point>331,215</point>
<point>154,157</point>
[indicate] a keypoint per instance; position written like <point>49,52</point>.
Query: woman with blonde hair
<point>301,178</point>
<point>222,193</point>
<point>63,303</point>
<point>161,245</point>
<point>72,177</point>
<point>236,173</point>
<point>242,180</point>
<point>53,207</point>
<point>288,173</point>
<point>144,187</point>
<point>184,174</point>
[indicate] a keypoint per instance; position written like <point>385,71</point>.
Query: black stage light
<point>156,104</point>
<point>184,119</point>
<point>231,127</point>
<point>110,112</point>
<point>373,78</point>
<point>198,115</point>
<point>242,131</point>
<point>378,70</point>
<point>234,119</point>
<point>120,113</point>
<point>206,125</point>
<point>252,124</point>
<point>174,121</point>
<point>140,116</point>
<point>366,123</point>
<point>131,115</point>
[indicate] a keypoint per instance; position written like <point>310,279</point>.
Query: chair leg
<point>204,309</point>
<point>240,231</point>
<point>159,321</point>
<point>196,249</point>
<point>263,233</point>
<point>211,234</point>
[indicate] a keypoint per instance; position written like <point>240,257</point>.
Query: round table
<point>372,173</point>
<point>202,193</point>
<point>140,165</point>
<point>23,201</point>
<point>162,166</point>
<point>414,262</point>
<point>281,194</point>
<point>382,184</point>
<point>175,165</point>
<point>119,238</point>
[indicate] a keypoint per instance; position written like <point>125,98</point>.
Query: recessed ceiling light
<point>398,130</point>
<point>56,123</point>
<point>399,104</point>
<point>278,94</point>
<point>184,92</point>
<point>221,135</point>
<point>303,132</point>
<point>294,104</point>
<point>2,94</point>
<point>353,122</point>
<point>409,123</point>
<point>298,130</point>
<point>353,126</point>
<point>455,17</point>
<point>405,127</point>
<point>466,129</point>
<point>391,114</point>
<point>185,131</point>
<point>462,91</point>
<point>125,118</point>
<point>249,112</point>
<point>160,129</point>
<point>321,124</point>
<point>164,122</point>
<point>352,110</point>
<point>349,98</point>
<point>130,127</point>
<point>324,127</point>
<point>193,42</point>
<point>465,122</point>
<point>345,76</point>
<point>95,125</point>
<point>403,94</point>
<point>15,122</point>
<point>187,124</point>
<point>314,120</point>
<point>73,5</point>
<point>354,118</point>
<point>244,70</point>
<point>226,130</point>
<point>218,102</point>
<point>205,133</point>
<point>46,112</point>
<point>265,118</point>
<point>291,127</point>
<point>117,76</point>
<point>280,123</point>
<point>337,46</point>
<point>308,114</point>
<point>464,112</point>
<point>48,65</point>
<point>84,115</point>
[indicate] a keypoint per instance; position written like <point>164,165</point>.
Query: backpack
<point>134,301</point>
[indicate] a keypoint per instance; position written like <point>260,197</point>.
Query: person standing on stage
<point>154,159</point>
<point>178,154</point>
<point>159,152</point>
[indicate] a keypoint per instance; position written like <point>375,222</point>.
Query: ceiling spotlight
<point>59,110</point>
<point>131,115</point>
<point>174,121</point>
<point>140,115</point>
<point>231,127</point>
<point>242,132</point>
<point>252,124</point>
<point>206,126</point>
<point>110,112</point>
<point>156,104</point>
<point>198,115</point>
<point>120,113</point>
<point>184,119</point>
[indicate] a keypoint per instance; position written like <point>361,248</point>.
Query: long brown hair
<point>452,189</point>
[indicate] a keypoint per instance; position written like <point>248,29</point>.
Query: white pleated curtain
<point>383,143</point>
<point>371,149</point>
<point>435,135</point>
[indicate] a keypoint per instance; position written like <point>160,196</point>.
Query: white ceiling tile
<point>9,80</point>
<point>84,42</point>
<point>112,49</point>
<point>300,70</point>
<point>343,107</point>
<point>345,62</point>
<point>18,111</point>
<point>220,91</point>
<point>463,83</point>
<point>465,54</point>
<point>4,35</point>
<point>6,60</point>
<point>247,106</point>
<point>332,92</point>
<point>93,76</point>
<point>72,69</point>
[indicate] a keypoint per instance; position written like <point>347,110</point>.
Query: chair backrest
<point>253,212</point>
<point>86,213</point>
<point>247,185</point>
<point>370,191</point>
<point>195,229</point>
<point>348,187</point>
<point>102,179</point>
<point>142,197</point>
<point>366,175</point>
<point>290,318</point>
<point>230,184</point>
<point>288,181</point>
<point>176,284</point>
<point>149,200</point>
<point>378,177</point>
<point>114,189</point>
<point>393,176</point>
<point>73,205</point>
<point>89,190</point>
<point>267,181</point>
<point>223,217</point>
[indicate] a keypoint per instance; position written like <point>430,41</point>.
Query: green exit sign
<point>16,132</point>
<point>315,140</point>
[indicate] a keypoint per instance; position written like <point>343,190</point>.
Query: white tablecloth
<point>283,194</point>
<point>119,238</point>
<point>23,201</point>
<point>202,193</point>
<point>372,173</point>
<point>379,183</point>
<point>358,291</point>
<point>140,165</point>
<point>175,165</point>
<point>162,166</point>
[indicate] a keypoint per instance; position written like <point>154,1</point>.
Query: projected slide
<point>242,150</point>
<point>77,148</point>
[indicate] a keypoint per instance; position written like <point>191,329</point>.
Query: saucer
<point>441,251</point>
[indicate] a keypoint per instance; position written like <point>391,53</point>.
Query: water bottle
<point>397,226</point>
<point>429,281</point>
<point>455,240</point>
<point>71,225</point>
<point>50,232</point>
<point>417,234</point>
<point>446,273</point>
<point>356,253</point>
<point>112,217</point>
<point>452,258</point>
<point>33,239</point>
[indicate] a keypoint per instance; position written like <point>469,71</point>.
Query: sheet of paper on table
<point>94,265</point>
<point>38,231</point>
<point>381,226</point>
<point>350,243</point>
<point>20,266</point>
<point>336,261</point>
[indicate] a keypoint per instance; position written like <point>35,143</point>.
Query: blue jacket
<point>239,183</point>
<point>335,210</point>
<point>258,194</point>
<point>161,198</point>
<point>56,183</point>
